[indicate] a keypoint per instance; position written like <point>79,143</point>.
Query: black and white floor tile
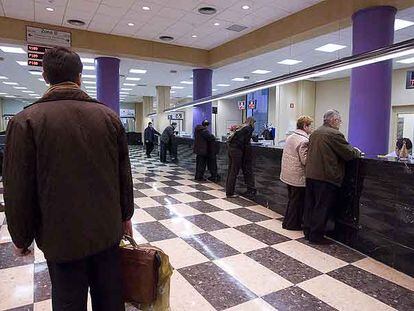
<point>228,254</point>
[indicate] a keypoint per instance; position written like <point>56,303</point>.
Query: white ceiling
<point>177,18</point>
<point>159,73</point>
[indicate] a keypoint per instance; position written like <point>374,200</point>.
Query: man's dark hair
<point>149,123</point>
<point>61,65</point>
<point>174,123</point>
<point>205,123</point>
<point>400,143</point>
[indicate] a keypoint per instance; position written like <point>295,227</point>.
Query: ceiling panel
<point>164,17</point>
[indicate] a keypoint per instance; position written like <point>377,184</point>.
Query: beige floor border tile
<point>310,256</point>
<point>257,304</point>
<point>238,240</point>
<point>253,275</point>
<point>181,227</point>
<point>16,287</point>
<point>385,272</point>
<point>229,219</point>
<point>276,226</point>
<point>181,253</point>
<point>184,297</point>
<point>341,296</point>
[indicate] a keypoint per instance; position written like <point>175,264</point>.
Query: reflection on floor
<point>228,254</point>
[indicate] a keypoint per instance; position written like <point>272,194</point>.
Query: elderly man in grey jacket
<point>293,172</point>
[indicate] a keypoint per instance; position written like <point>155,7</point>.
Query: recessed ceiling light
<point>3,78</point>
<point>216,24</point>
<point>406,61</point>
<point>245,7</point>
<point>186,82</point>
<point>130,84</point>
<point>189,96</point>
<point>89,82</point>
<point>132,79</point>
<point>214,90</point>
<point>89,76</point>
<point>177,87</point>
<point>330,47</point>
<point>142,71</point>
<point>259,80</point>
<point>34,95</point>
<point>41,79</point>
<point>207,10</point>
<point>173,92</point>
<point>76,22</point>
<point>21,62</point>
<point>10,49</point>
<point>131,24</point>
<point>87,60</point>
<point>123,93</point>
<point>11,83</point>
<point>222,84</point>
<point>146,8</point>
<point>125,89</point>
<point>3,93</point>
<point>35,73</point>
<point>10,96</point>
<point>20,87</point>
<point>238,79</point>
<point>261,71</point>
<point>194,36</point>
<point>289,62</point>
<point>90,87</point>
<point>88,67</point>
<point>401,24</point>
<point>50,9</point>
<point>27,91</point>
<point>166,38</point>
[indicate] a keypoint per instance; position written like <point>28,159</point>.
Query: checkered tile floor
<point>228,254</point>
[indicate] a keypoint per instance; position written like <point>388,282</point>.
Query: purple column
<point>369,112</point>
<point>107,81</point>
<point>202,85</point>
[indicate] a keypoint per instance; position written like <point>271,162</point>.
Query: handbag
<point>140,274</point>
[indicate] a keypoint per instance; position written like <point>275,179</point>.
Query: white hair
<point>330,115</point>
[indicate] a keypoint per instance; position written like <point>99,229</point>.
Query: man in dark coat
<point>241,157</point>
<point>325,169</point>
<point>202,139</point>
<point>168,143</point>
<point>150,139</point>
<point>68,185</point>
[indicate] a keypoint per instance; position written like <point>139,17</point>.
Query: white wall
<point>228,113</point>
<point>188,120</point>
<point>400,95</point>
<point>333,94</point>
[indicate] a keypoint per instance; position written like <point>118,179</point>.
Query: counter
<point>375,213</point>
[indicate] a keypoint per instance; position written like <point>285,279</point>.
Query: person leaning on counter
<point>325,170</point>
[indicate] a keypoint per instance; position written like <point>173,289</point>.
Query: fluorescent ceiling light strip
<point>87,60</point>
<point>11,49</point>
<point>304,77</point>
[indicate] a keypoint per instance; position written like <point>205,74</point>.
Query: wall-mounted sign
<point>242,105</point>
<point>252,104</point>
<point>409,83</point>
<point>292,105</point>
<point>48,37</point>
<point>176,116</point>
<point>127,113</point>
<point>35,54</point>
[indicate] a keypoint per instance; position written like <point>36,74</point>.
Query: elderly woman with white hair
<point>325,169</point>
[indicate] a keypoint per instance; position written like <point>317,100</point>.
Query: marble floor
<point>227,254</point>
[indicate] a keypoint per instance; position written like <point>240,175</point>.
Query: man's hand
<point>127,227</point>
<point>21,252</point>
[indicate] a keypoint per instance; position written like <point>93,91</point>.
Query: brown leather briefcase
<point>139,272</point>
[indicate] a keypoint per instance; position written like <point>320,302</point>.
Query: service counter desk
<point>375,211</point>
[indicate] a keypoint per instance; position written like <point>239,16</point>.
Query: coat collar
<point>65,91</point>
<point>301,133</point>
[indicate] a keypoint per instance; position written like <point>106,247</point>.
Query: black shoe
<point>148,156</point>
<point>320,241</point>
<point>250,194</point>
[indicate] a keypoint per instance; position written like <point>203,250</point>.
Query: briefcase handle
<point>131,240</point>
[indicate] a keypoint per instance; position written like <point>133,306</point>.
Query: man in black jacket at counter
<point>202,139</point>
<point>168,143</point>
<point>149,138</point>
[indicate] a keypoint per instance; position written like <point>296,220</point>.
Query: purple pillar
<point>369,112</point>
<point>107,81</point>
<point>202,87</point>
